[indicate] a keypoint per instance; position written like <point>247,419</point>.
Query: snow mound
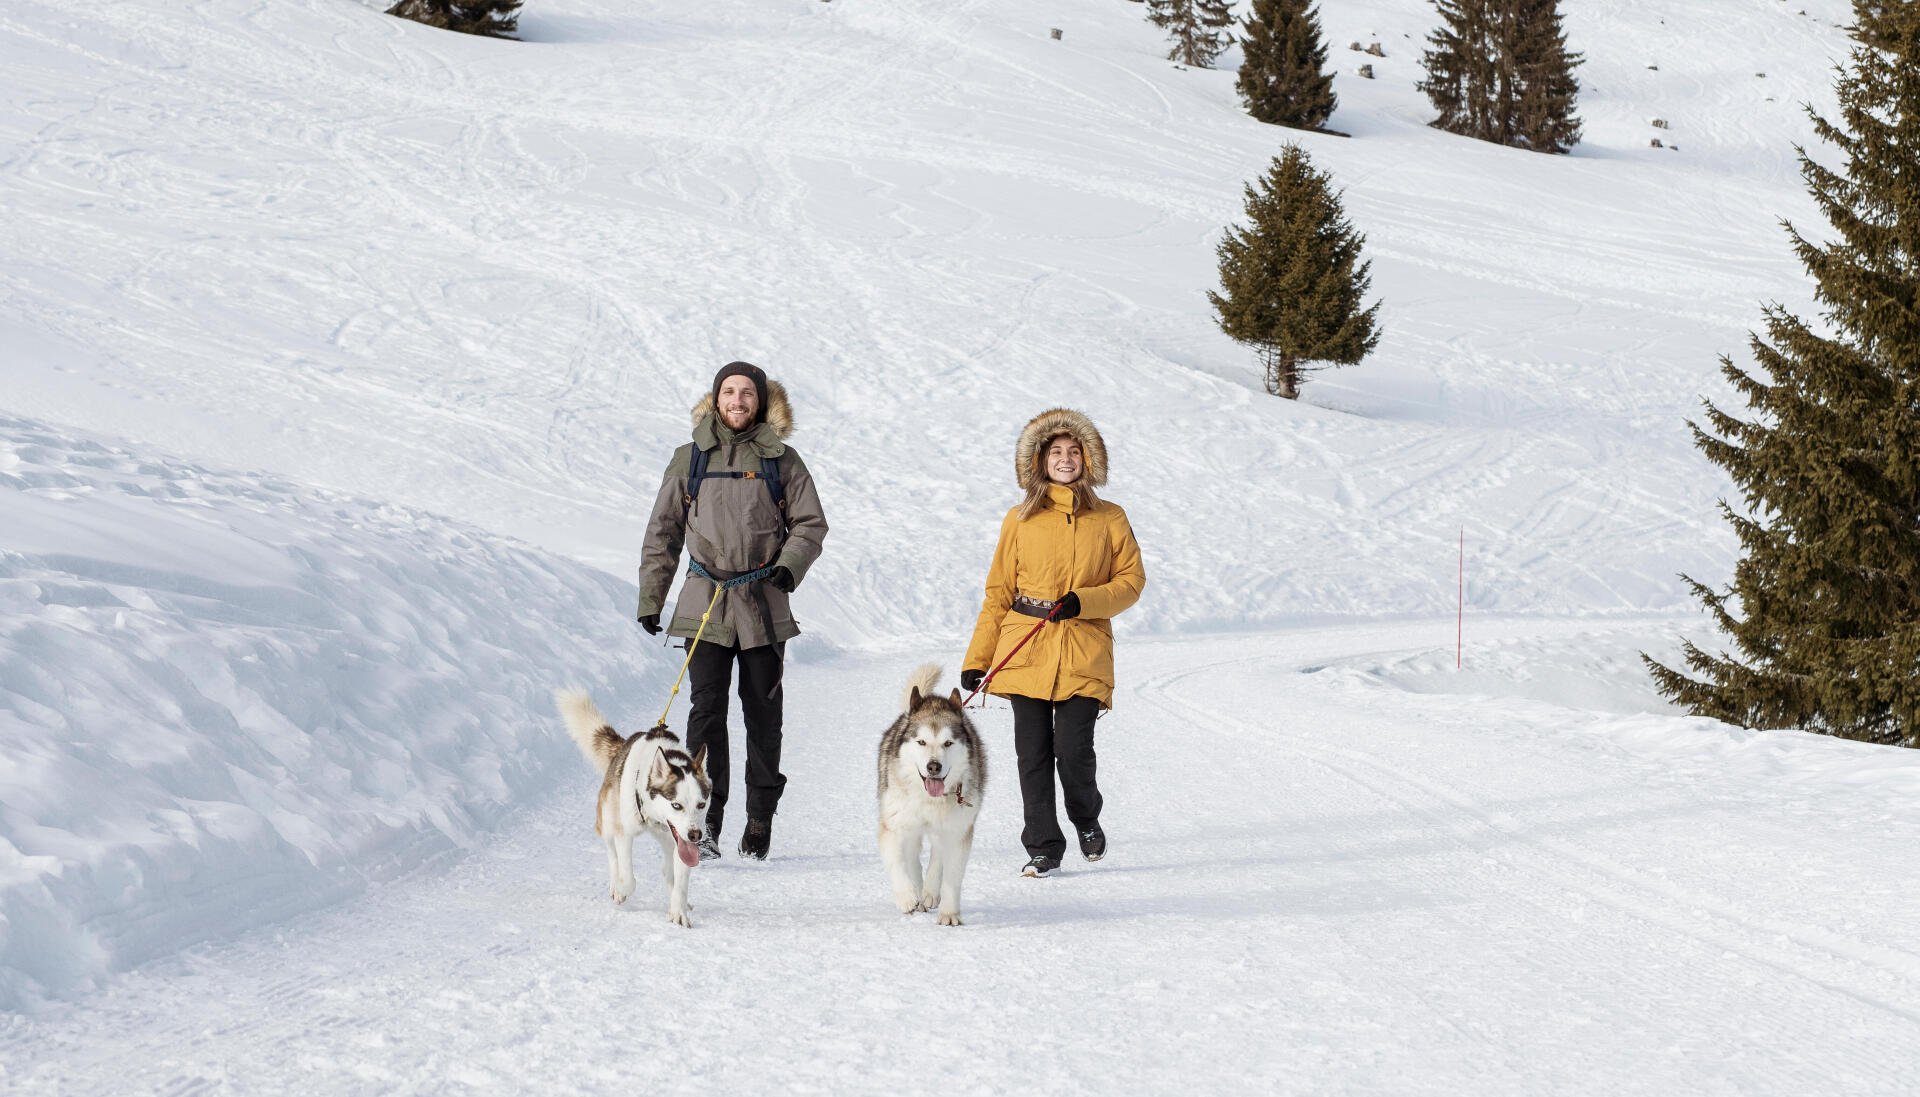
<point>224,698</point>
<point>1583,681</point>
<point>1592,665</point>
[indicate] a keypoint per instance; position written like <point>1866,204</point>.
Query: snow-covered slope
<point>225,699</point>
<point>489,278</point>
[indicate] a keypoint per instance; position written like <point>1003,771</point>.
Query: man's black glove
<point>970,679</point>
<point>651,622</point>
<point>1068,607</point>
<point>782,579</point>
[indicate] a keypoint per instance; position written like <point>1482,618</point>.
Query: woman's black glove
<point>970,679</point>
<point>782,579</point>
<point>1067,607</point>
<point>651,622</point>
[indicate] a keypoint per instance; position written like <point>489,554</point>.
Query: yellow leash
<point>682,676</point>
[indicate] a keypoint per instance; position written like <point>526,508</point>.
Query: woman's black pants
<point>1052,736</point>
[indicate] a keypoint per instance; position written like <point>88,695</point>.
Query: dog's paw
<point>929,902</point>
<point>680,918</point>
<point>908,906</point>
<point>950,918</point>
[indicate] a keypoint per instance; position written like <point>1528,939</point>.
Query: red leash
<point>1016,649</point>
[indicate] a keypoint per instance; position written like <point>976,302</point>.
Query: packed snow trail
<point>1317,885</point>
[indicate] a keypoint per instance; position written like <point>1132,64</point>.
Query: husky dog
<point>648,785</point>
<point>933,773</point>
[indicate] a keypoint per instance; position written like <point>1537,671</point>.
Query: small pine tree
<point>492,18</point>
<point>1500,71</point>
<point>1829,583</point>
<point>1293,277</point>
<point>1198,28</point>
<point>1282,77</point>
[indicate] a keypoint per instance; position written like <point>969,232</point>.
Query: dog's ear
<point>955,698</point>
<point>661,769</point>
<point>700,760</point>
<point>913,698</point>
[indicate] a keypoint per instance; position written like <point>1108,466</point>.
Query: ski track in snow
<point>1386,900</point>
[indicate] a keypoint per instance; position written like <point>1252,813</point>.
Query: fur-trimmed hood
<point>779,414</point>
<point>1049,425</point>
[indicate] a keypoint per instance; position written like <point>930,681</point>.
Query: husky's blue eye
<point>676,807</point>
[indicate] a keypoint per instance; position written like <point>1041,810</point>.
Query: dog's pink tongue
<point>935,786</point>
<point>689,853</point>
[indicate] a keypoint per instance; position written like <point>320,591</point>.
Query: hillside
<point>489,278</point>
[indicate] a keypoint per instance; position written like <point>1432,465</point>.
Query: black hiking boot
<point>709,847</point>
<point>1093,842</point>
<point>756,839</point>
<point>1041,865</point>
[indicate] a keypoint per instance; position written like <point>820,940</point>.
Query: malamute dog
<point>933,773</point>
<point>648,785</point>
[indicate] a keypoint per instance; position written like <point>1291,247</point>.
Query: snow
<point>227,699</point>
<point>1395,897</point>
<point>340,360</point>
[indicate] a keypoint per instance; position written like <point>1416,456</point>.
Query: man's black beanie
<point>743,369</point>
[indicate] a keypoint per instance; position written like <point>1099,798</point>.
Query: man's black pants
<point>760,706</point>
<point>1050,736</point>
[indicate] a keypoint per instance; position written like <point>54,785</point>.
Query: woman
<point>1066,552</point>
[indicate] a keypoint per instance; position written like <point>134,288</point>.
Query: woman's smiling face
<point>1063,461</point>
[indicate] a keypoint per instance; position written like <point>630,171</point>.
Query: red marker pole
<point>1460,622</point>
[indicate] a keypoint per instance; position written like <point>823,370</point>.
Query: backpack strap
<point>770,472</point>
<point>696,472</point>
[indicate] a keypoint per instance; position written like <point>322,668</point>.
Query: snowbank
<point>224,698</point>
<point>1585,682</point>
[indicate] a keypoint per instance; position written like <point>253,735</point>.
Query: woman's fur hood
<point>779,414</point>
<point>1047,426</point>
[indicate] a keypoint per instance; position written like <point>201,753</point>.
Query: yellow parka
<point>1091,553</point>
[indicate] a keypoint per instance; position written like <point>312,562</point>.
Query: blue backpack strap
<point>696,472</point>
<point>770,472</point>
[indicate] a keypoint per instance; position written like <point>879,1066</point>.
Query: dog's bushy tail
<point>926,679</point>
<point>590,730</point>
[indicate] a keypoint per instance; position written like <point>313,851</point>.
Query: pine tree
<point>1293,277</point>
<point>1197,26</point>
<point>1500,71</point>
<point>1461,82</point>
<point>1282,81</point>
<point>1829,583</point>
<point>1543,118</point>
<point>492,18</point>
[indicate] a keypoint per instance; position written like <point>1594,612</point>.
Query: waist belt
<point>727,580</point>
<point>1032,607</point>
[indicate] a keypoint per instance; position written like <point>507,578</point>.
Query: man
<point>740,500</point>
